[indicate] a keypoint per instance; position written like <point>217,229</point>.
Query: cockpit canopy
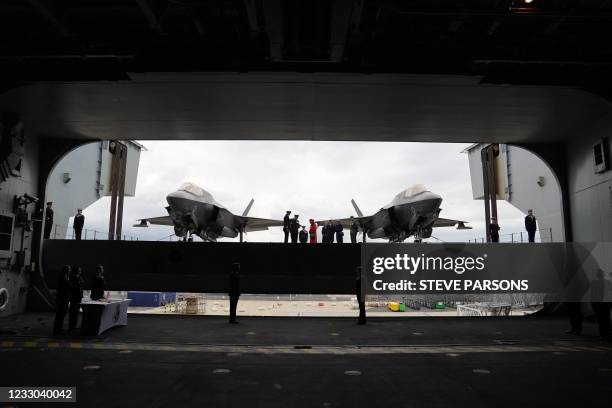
<point>414,190</point>
<point>198,193</point>
<point>194,189</point>
<point>409,195</point>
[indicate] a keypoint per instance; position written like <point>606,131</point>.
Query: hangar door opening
<point>199,192</point>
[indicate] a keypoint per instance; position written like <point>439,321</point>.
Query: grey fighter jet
<point>193,210</point>
<point>414,212</point>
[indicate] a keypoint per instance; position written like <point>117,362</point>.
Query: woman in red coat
<point>313,231</point>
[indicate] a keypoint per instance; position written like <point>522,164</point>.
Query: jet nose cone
<point>178,200</point>
<point>432,198</point>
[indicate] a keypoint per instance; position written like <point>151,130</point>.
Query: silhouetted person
<point>313,231</point>
<point>354,230</point>
<point>531,225</point>
<point>574,311</point>
<point>98,284</point>
<point>339,229</point>
<point>77,224</point>
<point>294,227</point>
<point>234,291</point>
<point>360,300</point>
<point>76,295</point>
<point>48,220</point>
<point>330,232</point>
<point>494,230</point>
<point>286,223</point>
<point>325,233</point>
<point>62,298</point>
<point>601,309</point>
<point>303,235</point>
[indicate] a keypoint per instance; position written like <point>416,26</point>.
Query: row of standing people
<point>531,227</point>
<point>70,285</point>
<point>77,225</point>
<point>330,231</point>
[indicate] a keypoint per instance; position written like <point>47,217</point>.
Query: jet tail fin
<point>246,210</point>
<point>357,210</point>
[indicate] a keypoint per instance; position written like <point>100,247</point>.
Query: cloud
<point>313,179</point>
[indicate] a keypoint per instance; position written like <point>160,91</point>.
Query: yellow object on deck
<point>393,306</point>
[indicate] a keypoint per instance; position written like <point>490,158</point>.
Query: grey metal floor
<point>320,362</point>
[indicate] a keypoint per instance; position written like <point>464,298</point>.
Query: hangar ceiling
<point>505,40</point>
<point>422,70</point>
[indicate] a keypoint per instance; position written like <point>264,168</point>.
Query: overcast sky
<point>312,179</point>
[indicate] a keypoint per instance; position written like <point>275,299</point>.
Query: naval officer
<point>354,230</point>
<point>48,220</point>
<point>234,291</point>
<point>531,225</point>
<point>286,222</point>
<point>77,224</point>
<point>61,299</point>
<point>360,298</point>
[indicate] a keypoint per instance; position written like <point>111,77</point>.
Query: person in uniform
<point>354,230</point>
<point>360,299</point>
<point>286,222</point>
<point>234,291</point>
<point>312,231</point>
<point>303,235</point>
<point>76,295</point>
<point>98,284</point>
<point>61,299</point>
<point>601,309</point>
<point>531,225</point>
<point>339,229</point>
<point>494,230</point>
<point>48,220</point>
<point>574,311</point>
<point>330,233</point>
<point>77,224</point>
<point>294,228</point>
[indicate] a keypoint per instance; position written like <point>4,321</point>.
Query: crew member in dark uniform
<point>234,291</point>
<point>294,227</point>
<point>360,300</point>
<point>330,232</point>
<point>303,235</point>
<point>494,230</point>
<point>574,310</point>
<point>324,233</point>
<point>339,229</point>
<point>531,225</point>
<point>601,309</point>
<point>76,295</point>
<point>286,223</point>
<point>98,284</point>
<point>61,299</point>
<point>77,224</point>
<point>354,230</point>
<point>48,220</point>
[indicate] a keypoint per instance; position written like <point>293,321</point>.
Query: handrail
<point>87,233</point>
<point>518,237</point>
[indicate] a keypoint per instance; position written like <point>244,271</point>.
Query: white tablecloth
<point>101,315</point>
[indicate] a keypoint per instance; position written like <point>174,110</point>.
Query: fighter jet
<point>193,210</point>
<point>413,212</point>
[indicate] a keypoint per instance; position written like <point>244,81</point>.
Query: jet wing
<point>445,222</point>
<point>163,220</point>
<point>259,224</point>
